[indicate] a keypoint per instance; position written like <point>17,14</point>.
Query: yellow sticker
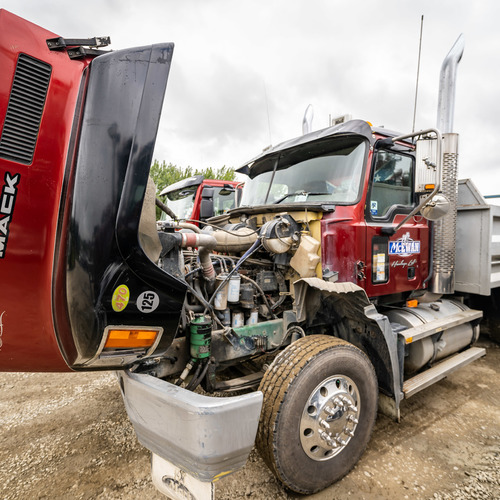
<point>120,298</point>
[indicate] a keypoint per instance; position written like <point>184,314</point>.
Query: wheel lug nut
<point>349,432</point>
<point>352,419</point>
<point>324,424</point>
<point>324,436</point>
<point>329,410</point>
<point>331,443</point>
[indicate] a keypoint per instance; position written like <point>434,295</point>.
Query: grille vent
<point>24,112</point>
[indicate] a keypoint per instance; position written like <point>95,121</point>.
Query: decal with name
<point>403,264</point>
<point>7,203</point>
<point>404,246</point>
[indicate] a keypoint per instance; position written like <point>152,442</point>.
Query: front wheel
<point>320,405</point>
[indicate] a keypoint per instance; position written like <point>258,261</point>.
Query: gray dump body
<point>478,242</point>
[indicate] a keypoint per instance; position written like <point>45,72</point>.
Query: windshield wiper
<point>296,193</point>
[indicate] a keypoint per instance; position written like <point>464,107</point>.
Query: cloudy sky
<point>244,71</point>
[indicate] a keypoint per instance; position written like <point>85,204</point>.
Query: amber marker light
<point>430,186</point>
<point>130,339</point>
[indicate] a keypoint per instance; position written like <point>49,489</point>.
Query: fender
<point>345,310</point>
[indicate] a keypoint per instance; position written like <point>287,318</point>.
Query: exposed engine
<point>240,275</point>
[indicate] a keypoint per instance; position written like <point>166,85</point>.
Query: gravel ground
<point>68,436</point>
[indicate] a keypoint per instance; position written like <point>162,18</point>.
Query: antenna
<point>418,73</point>
<point>307,120</point>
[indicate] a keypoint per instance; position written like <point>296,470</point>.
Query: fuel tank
<point>440,345</point>
<point>76,144</point>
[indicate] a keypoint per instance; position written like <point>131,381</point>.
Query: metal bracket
<point>62,43</point>
<point>78,52</point>
<point>76,47</point>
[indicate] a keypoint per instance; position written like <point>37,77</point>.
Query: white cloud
<point>354,57</point>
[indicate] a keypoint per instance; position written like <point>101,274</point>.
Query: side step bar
<point>419,332</point>
<point>441,370</point>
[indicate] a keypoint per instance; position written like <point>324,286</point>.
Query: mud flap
<point>178,484</point>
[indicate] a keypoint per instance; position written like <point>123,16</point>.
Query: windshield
<point>326,171</point>
<point>181,202</point>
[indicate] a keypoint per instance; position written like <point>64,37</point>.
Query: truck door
<point>216,200</point>
<point>400,262</point>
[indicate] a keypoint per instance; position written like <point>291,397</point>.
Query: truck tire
<point>320,405</point>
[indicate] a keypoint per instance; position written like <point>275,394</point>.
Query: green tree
<point>164,174</point>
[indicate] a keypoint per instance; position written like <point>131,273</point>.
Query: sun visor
<point>352,127</point>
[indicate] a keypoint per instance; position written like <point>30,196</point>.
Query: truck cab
<point>198,199</point>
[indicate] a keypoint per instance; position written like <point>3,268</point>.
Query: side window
<point>224,200</point>
<point>392,183</point>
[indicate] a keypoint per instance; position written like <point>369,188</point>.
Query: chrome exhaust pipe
<point>447,85</point>
<point>443,277</point>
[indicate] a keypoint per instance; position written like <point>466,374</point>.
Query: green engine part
<point>201,336</point>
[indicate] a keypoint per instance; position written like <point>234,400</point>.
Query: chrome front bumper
<point>208,437</point>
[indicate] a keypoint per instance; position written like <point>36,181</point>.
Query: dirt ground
<point>68,436</point>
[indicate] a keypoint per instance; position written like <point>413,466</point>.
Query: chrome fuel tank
<point>441,344</point>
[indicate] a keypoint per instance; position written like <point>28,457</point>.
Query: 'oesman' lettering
<point>7,203</point>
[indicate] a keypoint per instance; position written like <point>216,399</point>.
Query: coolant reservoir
<point>306,257</point>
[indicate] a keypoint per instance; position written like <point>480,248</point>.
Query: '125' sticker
<point>148,301</point>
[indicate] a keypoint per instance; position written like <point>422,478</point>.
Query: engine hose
<point>195,376</point>
<point>196,382</point>
<point>185,373</point>
<point>208,306</point>
<point>194,271</point>
<point>165,209</point>
<point>232,233</point>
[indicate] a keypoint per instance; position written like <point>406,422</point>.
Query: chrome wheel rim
<point>330,418</point>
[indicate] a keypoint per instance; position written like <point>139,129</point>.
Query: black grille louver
<point>24,112</point>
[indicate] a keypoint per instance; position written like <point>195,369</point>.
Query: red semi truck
<point>318,299</point>
<point>197,199</point>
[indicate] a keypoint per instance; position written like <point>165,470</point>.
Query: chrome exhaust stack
<point>443,276</point>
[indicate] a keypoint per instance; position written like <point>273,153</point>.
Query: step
<point>441,370</point>
<point>439,325</point>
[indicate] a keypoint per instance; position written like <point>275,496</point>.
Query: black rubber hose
<point>195,382</point>
<point>165,209</point>
<point>195,376</point>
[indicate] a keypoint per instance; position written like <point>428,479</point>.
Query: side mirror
<point>226,190</point>
<point>436,207</point>
<point>427,165</point>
